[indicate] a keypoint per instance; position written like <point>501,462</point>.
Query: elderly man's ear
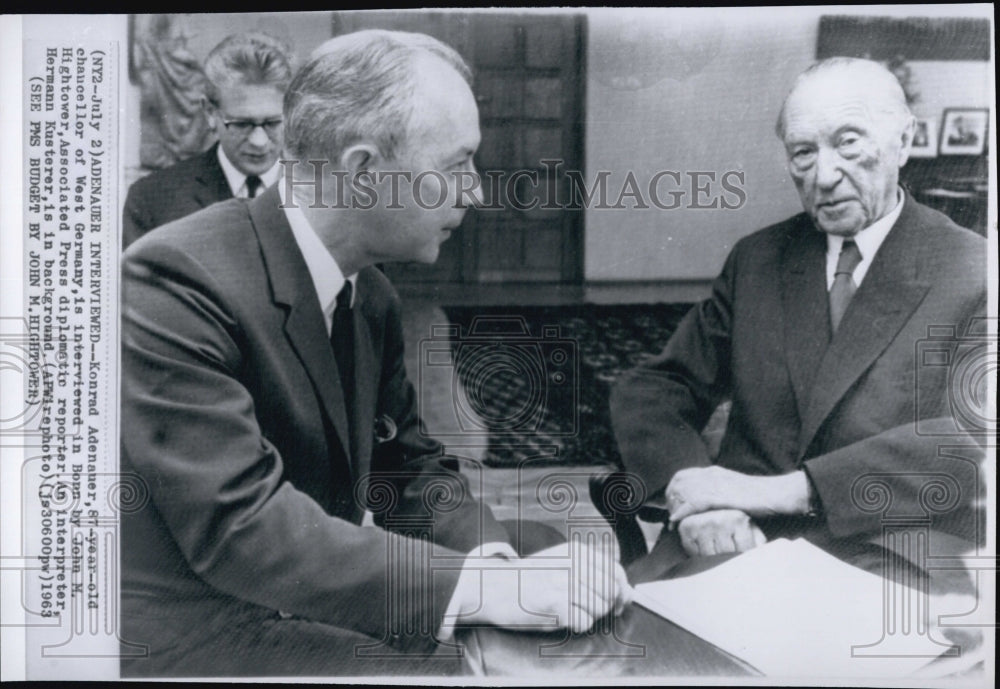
<point>906,140</point>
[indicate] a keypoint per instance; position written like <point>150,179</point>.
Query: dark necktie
<point>342,341</point>
<point>253,184</point>
<point>843,282</point>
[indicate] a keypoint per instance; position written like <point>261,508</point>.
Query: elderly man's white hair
<point>359,86</point>
<point>890,98</point>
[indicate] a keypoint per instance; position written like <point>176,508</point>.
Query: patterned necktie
<point>843,282</point>
<point>254,183</point>
<point>342,341</point>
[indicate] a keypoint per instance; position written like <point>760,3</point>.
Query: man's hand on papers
<point>700,489</point>
<point>566,586</point>
<point>719,531</point>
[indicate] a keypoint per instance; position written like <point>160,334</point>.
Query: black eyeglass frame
<point>245,128</point>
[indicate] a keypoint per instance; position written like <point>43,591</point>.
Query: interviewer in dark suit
<point>816,346</point>
<point>245,80</point>
<point>261,449</point>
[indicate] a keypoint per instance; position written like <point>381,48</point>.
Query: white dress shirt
<point>237,180</point>
<point>326,275</point>
<point>868,240</point>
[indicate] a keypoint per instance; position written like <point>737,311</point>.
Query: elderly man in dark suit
<point>266,406</point>
<point>245,80</point>
<point>813,330</point>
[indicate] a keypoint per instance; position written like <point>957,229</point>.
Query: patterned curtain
<point>173,124</point>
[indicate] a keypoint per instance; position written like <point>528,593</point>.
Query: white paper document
<point>791,610</point>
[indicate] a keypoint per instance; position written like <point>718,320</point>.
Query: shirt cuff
<point>468,586</point>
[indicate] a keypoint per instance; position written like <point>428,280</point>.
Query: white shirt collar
<point>868,240</point>
<point>237,180</point>
<point>327,278</point>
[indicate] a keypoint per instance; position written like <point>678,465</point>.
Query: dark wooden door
<point>529,84</point>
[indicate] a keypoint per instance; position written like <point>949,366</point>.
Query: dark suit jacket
<point>864,413</point>
<point>172,193</point>
<point>233,416</point>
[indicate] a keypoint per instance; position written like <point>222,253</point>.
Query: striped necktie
<point>843,282</point>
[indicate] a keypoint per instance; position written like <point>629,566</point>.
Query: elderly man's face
<point>252,139</point>
<point>413,221</point>
<point>844,152</point>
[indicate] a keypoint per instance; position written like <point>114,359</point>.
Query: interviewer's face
<point>844,151</point>
<point>255,152</point>
<point>412,223</point>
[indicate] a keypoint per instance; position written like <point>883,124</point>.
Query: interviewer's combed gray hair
<point>358,86</point>
<point>254,59</point>
<point>893,103</point>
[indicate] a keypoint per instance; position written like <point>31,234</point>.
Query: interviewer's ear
<point>359,158</point>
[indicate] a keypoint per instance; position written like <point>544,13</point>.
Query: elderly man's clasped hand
<point>713,507</point>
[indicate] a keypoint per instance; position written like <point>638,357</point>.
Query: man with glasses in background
<point>245,80</point>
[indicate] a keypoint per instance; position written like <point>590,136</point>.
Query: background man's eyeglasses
<point>246,127</point>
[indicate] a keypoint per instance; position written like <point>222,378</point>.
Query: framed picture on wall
<point>963,131</point>
<point>925,138</point>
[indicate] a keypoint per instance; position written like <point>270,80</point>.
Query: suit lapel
<point>211,180</point>
<point>888,296</point>
<point>805,304</point>
<point>304,324</point>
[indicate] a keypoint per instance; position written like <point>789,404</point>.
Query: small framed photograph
<point>925,138</point>
<point>963,131</point>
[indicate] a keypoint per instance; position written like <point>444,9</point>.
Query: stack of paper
<point>792,610</point>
